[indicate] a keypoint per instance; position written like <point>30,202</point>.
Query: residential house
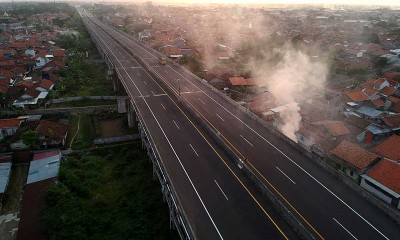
<point>374,132</point>
<point>45,85</point>
<point>9,127</point>
<point>31,98</point>
<point>51,133</point>
<point>383,180</point>
<point>392,122</point>
<point>390,148</point>
<point>352,159</point>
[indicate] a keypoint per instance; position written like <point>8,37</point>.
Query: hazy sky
<point>363,2</point>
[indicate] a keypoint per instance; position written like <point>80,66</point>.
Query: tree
<point>30,138</point>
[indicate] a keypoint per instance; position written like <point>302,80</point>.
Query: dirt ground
<point>113,127</point>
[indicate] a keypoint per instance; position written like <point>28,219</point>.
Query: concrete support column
<point>131,114</point>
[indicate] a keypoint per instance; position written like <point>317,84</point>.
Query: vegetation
<point>194,64</point>
<point>29,9</point>
<point>30,138</point>
<point>84,138</point>
<point>107,194</point>
<point>82,77</point>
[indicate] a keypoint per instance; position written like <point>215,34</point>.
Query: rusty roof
<point>354,154</point>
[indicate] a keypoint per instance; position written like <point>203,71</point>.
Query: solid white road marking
<point>163,106</point>
<point>285,175</point>
<point>221,189</point>
<point>201,101</point>
<point>220,117</point>
<point>247,141</point>
<point>176,124</point>
<point>345,229</point>
<point>194,150</point>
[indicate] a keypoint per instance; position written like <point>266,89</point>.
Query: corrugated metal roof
<point>5,169</point>
<point>368,111</point>
<point>45,168</point>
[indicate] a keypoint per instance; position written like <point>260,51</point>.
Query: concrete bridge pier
<point>131,114</point>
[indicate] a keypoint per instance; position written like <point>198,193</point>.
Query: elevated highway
<point>217,201</point>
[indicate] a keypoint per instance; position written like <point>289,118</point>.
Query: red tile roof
<point>59,53</point>
<point>378,103</point>
<point>354,154</point>
<point>393,99</point>
<point>390,148</point>
<point>10,123</point>
<point>392,121</point>
<point>387,173</point>
<point>388,90</point>
<point>357,96</point>
<point>46,84</point>
<point>52,130</point>
<point>32,92</point>
<point>395,107</point>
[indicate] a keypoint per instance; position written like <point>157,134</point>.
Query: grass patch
<point>107,194</point>
<point>84,138</point>
<point>72,128</point>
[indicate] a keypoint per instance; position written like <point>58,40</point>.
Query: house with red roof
<point>45,85</point>
<point>383,180</point>
<point>9,127</point>
<point>31,98</point>
<point>51,133</point>
<point>352,159</point>
<point>390,148</point>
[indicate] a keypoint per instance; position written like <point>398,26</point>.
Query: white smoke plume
<point>291,81</point>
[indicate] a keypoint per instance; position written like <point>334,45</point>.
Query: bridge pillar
<point>131,114</point>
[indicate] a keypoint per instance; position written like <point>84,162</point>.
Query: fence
<point>99,141</point>
<point>72,99</point>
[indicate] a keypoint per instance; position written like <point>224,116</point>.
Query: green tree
<point>30,138</point>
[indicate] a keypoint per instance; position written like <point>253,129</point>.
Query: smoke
<point>291,81</point>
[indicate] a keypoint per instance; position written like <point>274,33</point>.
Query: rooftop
<point>387,173</point>
<point>335,128</point>
<point>392,121</point>
<point>357,96</point>
<point>354,154</point>
<point>390,148</point>
<point>5,169</point>
<point>10,123</point>
<point>45,165</point>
